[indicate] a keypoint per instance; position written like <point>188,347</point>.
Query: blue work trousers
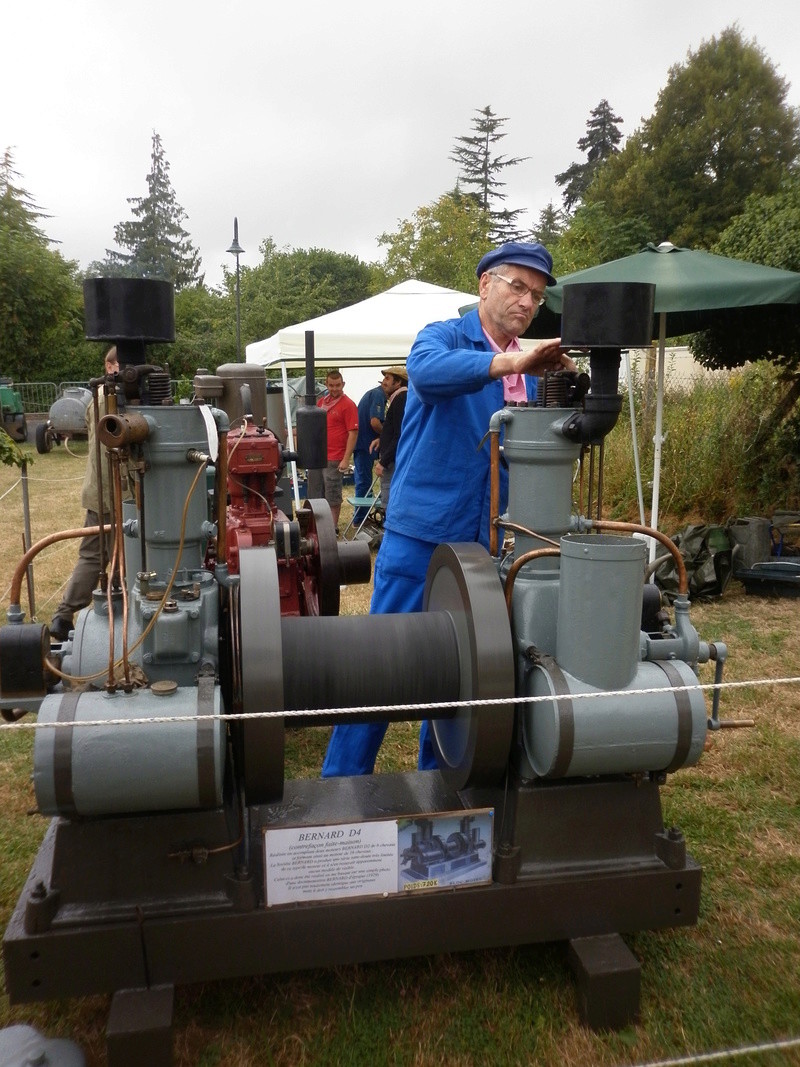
<point>363,462</point>
<point>400,570</point>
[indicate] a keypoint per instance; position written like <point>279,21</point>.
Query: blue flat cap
<point>522,254</point>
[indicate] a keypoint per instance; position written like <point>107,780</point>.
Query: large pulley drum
<point>472,748</point>
<point>458,649</point>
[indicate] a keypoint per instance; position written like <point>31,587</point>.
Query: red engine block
<point>254,462</point>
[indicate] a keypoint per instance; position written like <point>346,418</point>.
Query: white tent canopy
<point>375,332</point>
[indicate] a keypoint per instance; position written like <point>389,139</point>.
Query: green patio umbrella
<point>692,289</point>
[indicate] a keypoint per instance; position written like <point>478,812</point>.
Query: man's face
<point>335,387</point>
<point>112,365</point>
<point>503,313</point>
<point>390,384</point>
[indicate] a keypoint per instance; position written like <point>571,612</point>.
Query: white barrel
<point>119,769</point>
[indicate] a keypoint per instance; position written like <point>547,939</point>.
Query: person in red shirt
<point>342,422</point>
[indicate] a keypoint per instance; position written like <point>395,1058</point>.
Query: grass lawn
<point>732,980</point>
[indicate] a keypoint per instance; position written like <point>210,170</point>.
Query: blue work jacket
<point>440,488</point>
<point>372,405</point>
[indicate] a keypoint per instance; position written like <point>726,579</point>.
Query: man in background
<point>395,384</point>
<point>371,408</point>
<point>86,574</point>
<point>342,422</point>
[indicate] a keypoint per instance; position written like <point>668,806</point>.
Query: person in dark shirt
<point>371,408</point>
<point>395,385</point>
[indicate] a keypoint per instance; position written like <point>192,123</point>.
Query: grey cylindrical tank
<point>604,734</point>
<point>224,390</point>
<point>233,377</point>
<point>600,608</point>
<point>276,411</point>
<point>113,769</point>
<point>174,432</point>
<point>68,413</point>
<point>540,461</point>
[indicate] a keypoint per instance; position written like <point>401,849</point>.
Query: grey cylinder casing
<point>174,432</point>
<point>119,769</point>
<point>607,734</point>
<point>540,461</point>
<point>600,608</point>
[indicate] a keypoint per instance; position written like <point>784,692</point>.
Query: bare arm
<point>348,451</point>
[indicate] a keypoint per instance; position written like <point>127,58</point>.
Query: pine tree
<point>601,141</point>
<point>549,227</point>
<point>18,211</point>
<point>158,245</point>
<point>40,313</point>
<point>479,171</point>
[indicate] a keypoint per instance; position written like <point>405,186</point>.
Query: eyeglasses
<point>519,288</point>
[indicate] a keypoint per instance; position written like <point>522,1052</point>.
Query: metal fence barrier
<point>38,397</point>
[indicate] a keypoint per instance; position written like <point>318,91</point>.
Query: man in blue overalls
<point>460,373</point>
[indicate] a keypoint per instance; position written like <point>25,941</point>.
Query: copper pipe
<point>110,604</point>
<point>104,577</point>
<point>98,466</point>
<point>123,577</point>
<point>34,550</point>
<point>672,548</point>
<point>517,527</point>
<point>494,490</point>
<point>118,567</point>
<point>222,498</point>
<point>513,570</point>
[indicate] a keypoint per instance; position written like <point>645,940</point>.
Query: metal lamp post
<point>237,250</point>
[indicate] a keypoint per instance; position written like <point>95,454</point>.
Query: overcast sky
<point>322,124</point>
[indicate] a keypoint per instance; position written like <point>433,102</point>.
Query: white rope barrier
<point>42,481</point>
<point>11,488</point>
<point>726,1054</point>
<point>373,708</point>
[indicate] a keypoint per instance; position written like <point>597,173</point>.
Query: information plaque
<point>377,857</point>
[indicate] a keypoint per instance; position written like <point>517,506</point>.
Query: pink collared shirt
<point>514,390</point>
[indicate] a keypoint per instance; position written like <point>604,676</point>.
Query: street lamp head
<point>235,248</point>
